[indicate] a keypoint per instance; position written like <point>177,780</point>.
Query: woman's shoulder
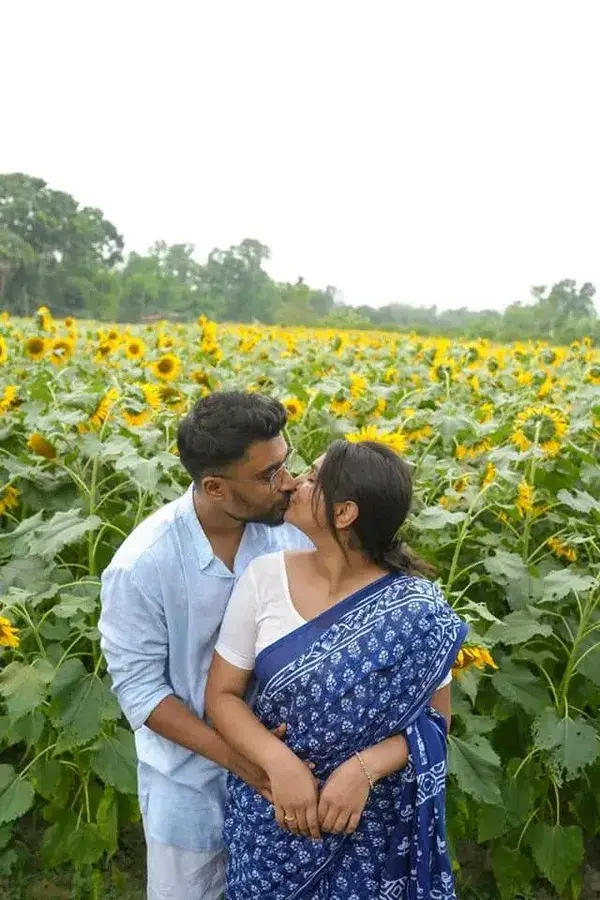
<point>418,586</point>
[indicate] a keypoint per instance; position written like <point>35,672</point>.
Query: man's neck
<point>214,521</point>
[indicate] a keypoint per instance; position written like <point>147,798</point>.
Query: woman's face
<point>300,510</point>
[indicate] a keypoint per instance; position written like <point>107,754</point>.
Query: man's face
<point>258,487</point>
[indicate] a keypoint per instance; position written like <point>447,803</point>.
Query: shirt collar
<point>255,539</point>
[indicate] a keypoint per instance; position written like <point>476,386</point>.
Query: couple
<point>337,771</point>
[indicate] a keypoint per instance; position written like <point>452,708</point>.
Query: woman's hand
<point>343,798</point>
<point>295,793</point>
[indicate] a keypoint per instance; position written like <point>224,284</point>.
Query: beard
<point>272,517</point>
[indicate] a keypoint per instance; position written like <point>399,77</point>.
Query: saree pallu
<point>361,672</point>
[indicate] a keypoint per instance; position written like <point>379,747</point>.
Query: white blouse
<point>260,611</point>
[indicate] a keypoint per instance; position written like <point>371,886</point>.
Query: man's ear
<point>213,487</point>
<point>346,514</point>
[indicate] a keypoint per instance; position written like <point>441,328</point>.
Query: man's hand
<point>252,774</point>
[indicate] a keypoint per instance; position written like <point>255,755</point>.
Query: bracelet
<point>366,771</point>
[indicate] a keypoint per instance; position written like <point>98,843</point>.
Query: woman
<point>348,645</point>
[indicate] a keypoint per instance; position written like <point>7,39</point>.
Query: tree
<point>46,241</point>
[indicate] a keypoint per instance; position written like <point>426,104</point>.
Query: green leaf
<point>27,730</point>
<point>114,761</point>
<point>24,686</point>
<point>14,543</point>
<point>572,743</point>
<point>476,767</point>
<point>519,685</point>
<point>72,605</point>
<point>62,529</point>
<point>54,850</point>
<point>518,796</point>
<point>5,835</point>
<point>491,823</point>
<point>16,794</point>
<point>513,872</point>
<point>85,845</point>
<point>467,680</point>
<point>561,582</point>
<point>434,518</point>
<point>505,566</point>
<point>518,627</point>
<point>557,851</point>
<point>81,704</point>
<point>107,819</point>
<point>579,500</point>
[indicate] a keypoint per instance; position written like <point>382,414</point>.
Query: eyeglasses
<point>271,481</point>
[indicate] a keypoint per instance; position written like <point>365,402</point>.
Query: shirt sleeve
<point>135,644</point>
<point>237,638</point>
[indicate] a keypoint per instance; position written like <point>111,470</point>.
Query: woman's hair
<point>380,483</point>
<point>220,428</point>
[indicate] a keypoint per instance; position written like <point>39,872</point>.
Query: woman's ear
<point>346,514</point>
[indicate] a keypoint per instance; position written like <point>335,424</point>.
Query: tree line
<point>57,253</point>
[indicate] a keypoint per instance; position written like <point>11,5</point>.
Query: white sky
<point>427,152</point>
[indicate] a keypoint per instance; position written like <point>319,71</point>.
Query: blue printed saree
<point>360,672</point>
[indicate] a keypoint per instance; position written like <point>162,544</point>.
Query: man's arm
<point>135,645</point>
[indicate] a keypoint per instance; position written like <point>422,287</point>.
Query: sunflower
<point>200,377</point>
<point>9,398</point>
<point>61,351</point>
<point>358,385</point>
<point>135,348</point>
<point>166,367</point>
<point>473,451</point>
<point>35,347</point>
<point>593,374</point>
<point>140,403</point>
<point>380,407</point>
<point>173,399</point>
<point>103,351</point>
<point>9,636</point>
<point>395,440</point>
<point>390,375</point>
<point>102,411</point>
<point>562,550</point>
<point>44,319</point>
<point>472,655</point>
<point>294,408</point>
<point>3,351</point>
<point>4,317</point>
<point>9,499</point>
<point>524,502</point>
<point>540,425</point>
<point>340,407</point>
<point>37,443</point>
<point>489,476</point>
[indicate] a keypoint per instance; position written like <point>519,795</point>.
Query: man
<point>163,598</point>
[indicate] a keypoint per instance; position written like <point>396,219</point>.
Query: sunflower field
<point>505,445</point>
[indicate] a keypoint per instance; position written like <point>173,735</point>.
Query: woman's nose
<point>289,482</point>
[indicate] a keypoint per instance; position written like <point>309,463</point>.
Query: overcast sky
<point>442,152</point>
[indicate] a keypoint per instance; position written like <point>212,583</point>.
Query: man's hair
<point>220,428</point>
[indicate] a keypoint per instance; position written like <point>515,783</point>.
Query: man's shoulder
<point>153,533</point>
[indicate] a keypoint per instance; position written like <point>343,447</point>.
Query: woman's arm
<point>441,701</point>
<point>294,788</point>
<point>345,793</point>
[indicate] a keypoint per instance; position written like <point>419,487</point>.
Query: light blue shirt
<point>163,599</point>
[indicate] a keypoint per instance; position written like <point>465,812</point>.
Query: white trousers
<point>176,874</point>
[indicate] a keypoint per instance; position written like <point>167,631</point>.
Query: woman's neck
<point>343,572</point>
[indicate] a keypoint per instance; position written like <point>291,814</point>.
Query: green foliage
<point>523,749</point>
<point>54,252</point>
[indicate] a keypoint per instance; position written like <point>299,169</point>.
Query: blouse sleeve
<point>237,639</point>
